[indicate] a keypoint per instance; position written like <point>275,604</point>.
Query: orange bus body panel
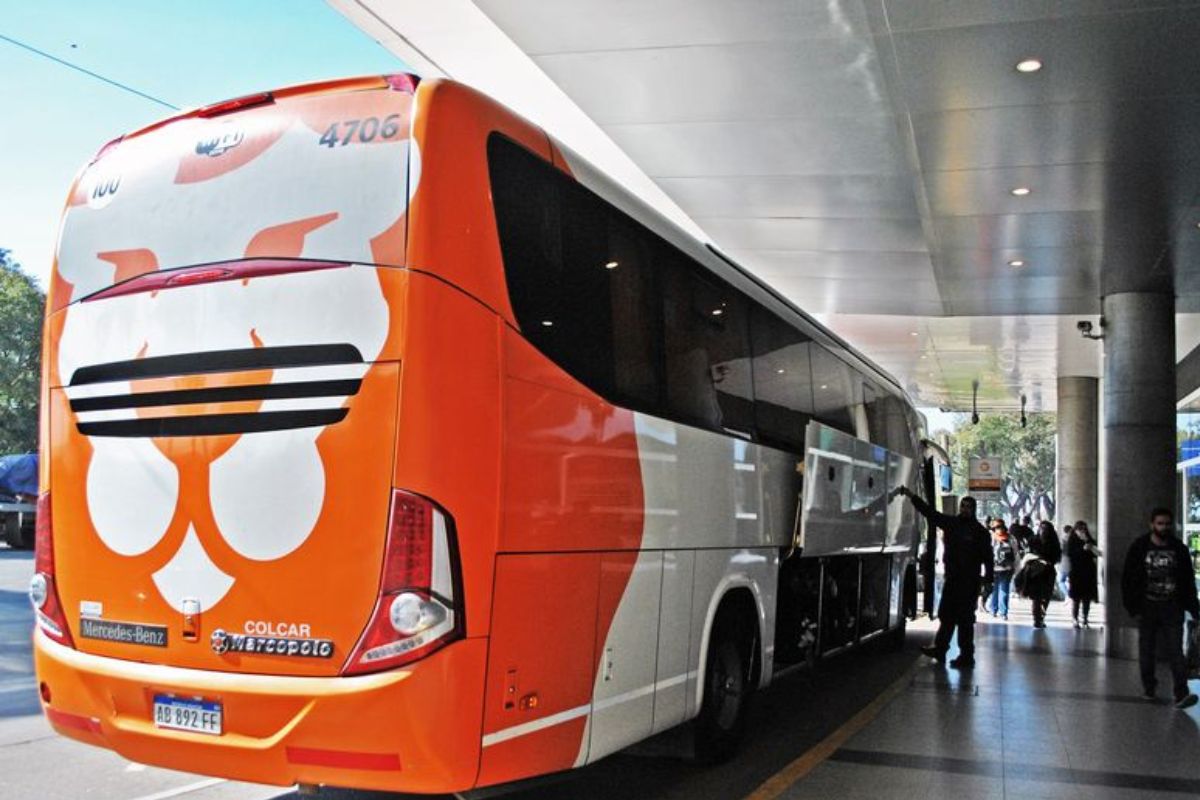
<point>448,433</point>
<point>406,717</point>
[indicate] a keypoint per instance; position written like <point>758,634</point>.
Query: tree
<point>22,305</point>
<point>1027,460</point>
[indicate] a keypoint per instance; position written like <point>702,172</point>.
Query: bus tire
<point>728,670</point>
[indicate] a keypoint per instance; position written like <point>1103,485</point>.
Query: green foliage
<point>22,304</point>
<point>1027,460</point>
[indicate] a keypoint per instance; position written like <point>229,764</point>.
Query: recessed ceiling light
<point>913,333</point>
<point>1029,65</point>
<point>924,357</point>
<point>824,386</point>
<point>1020,191</point>
<point>612,265</point>
<point>1017,262</point>
<point>547,323</point>
<point>718,312</point>
<point>779,371</point>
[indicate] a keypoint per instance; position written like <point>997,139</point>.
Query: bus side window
<point>707,349</point>
<point>636,314</point>
<point>584,326</point>
<point>525,195</point>
<point>783,401</point>
<point>835,387</point>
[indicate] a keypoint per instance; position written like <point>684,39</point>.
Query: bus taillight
<point>42,592</point>
<point>418,610</point>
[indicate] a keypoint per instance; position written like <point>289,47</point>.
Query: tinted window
<point>783,401</point>
<point>836,390</point>
<point>706,347</point>
<point>636,313</point>
<point>579,277</point>
<point>646,327</point>
<point>887,419</point>
<point>525,197</point>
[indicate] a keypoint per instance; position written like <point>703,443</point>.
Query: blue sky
<point>186,54</point>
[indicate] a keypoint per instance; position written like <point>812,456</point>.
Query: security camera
<point>1084,326</point>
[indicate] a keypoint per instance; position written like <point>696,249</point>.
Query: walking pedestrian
<point>1043,552</point>
<point>1157,587</point>
<point>1004,561</point>
<point>968,560</point>
<point>1064,567</point>
<point>1021,535</point>
<point>1083,583</point>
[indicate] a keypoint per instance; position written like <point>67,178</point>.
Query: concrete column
<point>1076,479</point>
<point>1139,433</point>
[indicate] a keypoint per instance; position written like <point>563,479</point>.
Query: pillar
<point>1076,479</point>
<point>1139,436</point>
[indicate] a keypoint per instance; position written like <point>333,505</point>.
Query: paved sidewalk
<point>1043,715</point>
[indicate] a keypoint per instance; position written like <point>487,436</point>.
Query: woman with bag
<point>1084,556</point>
<point>1044,552</point>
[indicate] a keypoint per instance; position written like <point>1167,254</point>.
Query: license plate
<point>198,716</point>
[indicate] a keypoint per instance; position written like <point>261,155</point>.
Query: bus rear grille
<point>308,388</point>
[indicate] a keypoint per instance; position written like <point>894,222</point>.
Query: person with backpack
<point>1035,577</point>
<point>1004,561</point>
<point>1021,535</point>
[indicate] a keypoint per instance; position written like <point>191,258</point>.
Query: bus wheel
<point>727,688</point>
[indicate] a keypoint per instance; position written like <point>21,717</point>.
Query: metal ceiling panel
<point>1067,133</point>
<point>1025,296</point>
<point>752,81</point>
<point>898,235</point>
<point>851,265</point>
<point>1022,288</point>
<point>574,26</point>
<point>863,196</point>
<point>1071,187</point>
<point>825,295</point>
<point>857,145</point>
<point>913,15</point>
<point>1089,58</point>
<point>1031,262</point>
<point>1016,231</point>
<point>985,304</point>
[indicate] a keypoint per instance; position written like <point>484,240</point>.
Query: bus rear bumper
<point>413,730</point>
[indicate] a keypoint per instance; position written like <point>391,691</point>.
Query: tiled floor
<point>1043,715</point>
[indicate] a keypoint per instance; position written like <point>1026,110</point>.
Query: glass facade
<point>1187,437</point>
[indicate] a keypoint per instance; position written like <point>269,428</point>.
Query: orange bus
<point>387,444</point>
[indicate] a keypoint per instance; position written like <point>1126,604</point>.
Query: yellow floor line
<point>778,783</point>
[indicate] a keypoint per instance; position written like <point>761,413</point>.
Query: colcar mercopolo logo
<point>224,642</point>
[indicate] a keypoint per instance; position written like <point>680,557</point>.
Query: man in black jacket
<point>968,550</point>
<point>1022,535</point>
<point>1157,587</point>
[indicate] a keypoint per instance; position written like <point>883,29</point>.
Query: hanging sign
<point>983,475</point>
